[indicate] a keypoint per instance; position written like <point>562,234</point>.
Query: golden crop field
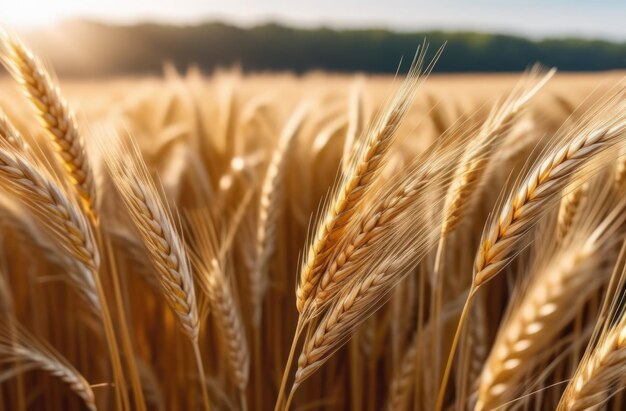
<point>319,242</point>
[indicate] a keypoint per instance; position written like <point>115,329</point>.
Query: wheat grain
<point>568,211</point>
<point>11,134</point>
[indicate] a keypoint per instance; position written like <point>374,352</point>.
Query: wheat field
<point>335,242</point>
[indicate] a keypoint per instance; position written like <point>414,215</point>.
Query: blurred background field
<point>91,49</point>
<point>444,97</point>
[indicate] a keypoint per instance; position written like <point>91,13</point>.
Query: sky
<point>535,18</point>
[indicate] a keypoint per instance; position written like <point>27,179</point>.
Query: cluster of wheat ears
<point>278,249</point>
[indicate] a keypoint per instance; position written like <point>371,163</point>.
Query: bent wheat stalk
<point>469,173</point>
<point>359,177</point>
<point>19,345</point>
<point>354,275</point>
<point>57,213</point>
<point>539,188</point>
<point>65,222</point>
<point>399,247</point>
<point>408,192</point>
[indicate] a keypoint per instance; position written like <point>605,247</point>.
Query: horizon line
<point>312,26</point>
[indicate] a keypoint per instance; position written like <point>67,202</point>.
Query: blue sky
<point>603,19</point>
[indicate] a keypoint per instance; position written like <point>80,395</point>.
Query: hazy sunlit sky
<point>539,18</point>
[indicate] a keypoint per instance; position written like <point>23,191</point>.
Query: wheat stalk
<point>55,115</point>
<point>65,222</point>
<point>156,228</point>
<point>18,345</point>
<point>224,307</point>
<point>57,213</point>
<point>360,175</point>
<point>543,184</point>
<point>602,130</point>
<point>270,205</point>
<point>592,384</point>
<point>559,288</point>
<point>230,325</point>
<point>155,225</point>
<point>372,229</point>
<point>354,302</point>
<point>471,168</point>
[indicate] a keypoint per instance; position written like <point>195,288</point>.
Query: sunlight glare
<point>33,13</point>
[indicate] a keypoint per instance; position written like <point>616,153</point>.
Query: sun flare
<point>32,13</point>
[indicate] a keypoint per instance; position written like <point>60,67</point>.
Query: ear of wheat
<point>54,114</point>
<point>30,353</point>
<point>57,213</point>
<point>155,225</point>
<point>360,175</point>
<point>374,228</point>
<point>599,376</point>
<point>399,246</point>
<point>591,386</point>
<point>558,289</point>
<point>270,203</point>
<point>224,306</point>
<point>594,141</point>
<point>469,173</point>
<point>568,210</point>
<point>544,183</point>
